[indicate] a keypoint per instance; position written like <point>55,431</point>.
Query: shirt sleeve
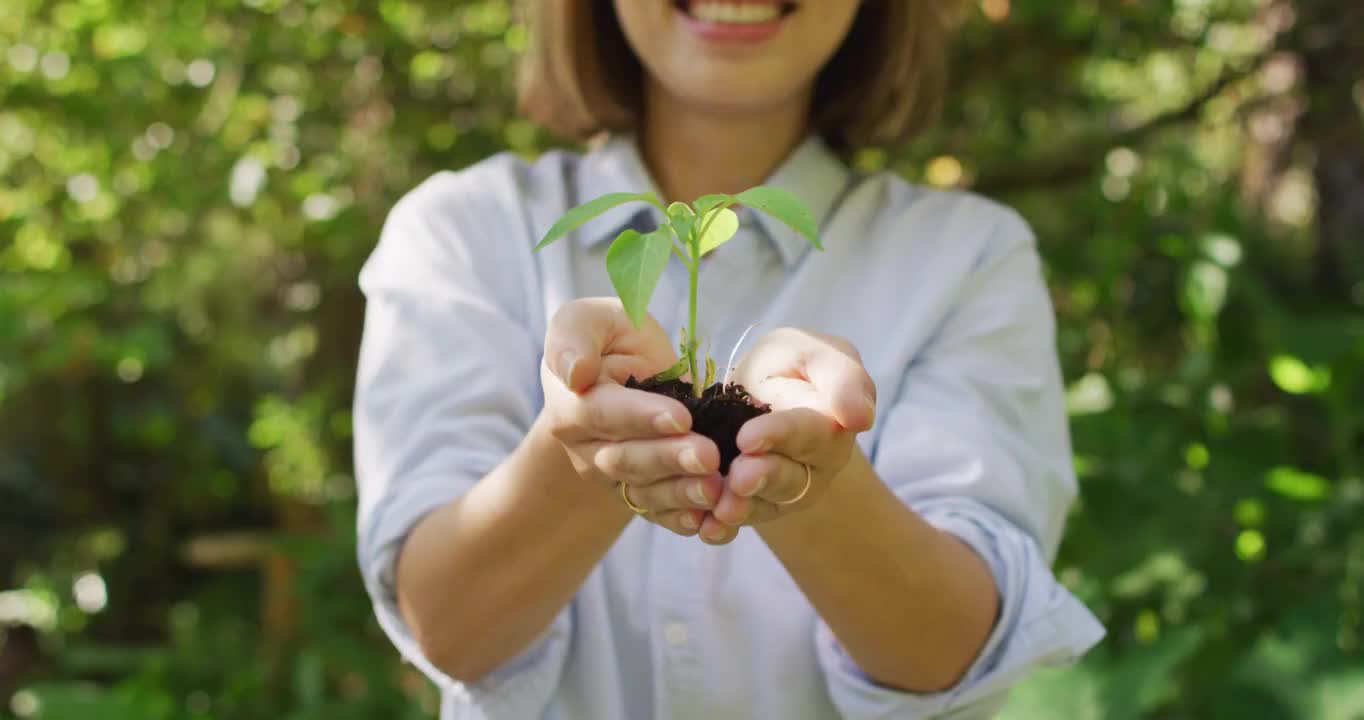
<point>447,386</point>
<point>977,443</point>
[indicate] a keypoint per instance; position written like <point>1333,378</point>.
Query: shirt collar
<point>812,172</point>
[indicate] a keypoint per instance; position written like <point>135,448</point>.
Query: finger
<point>761,511</point>
<point>574,341</point>
<point>678,493</point>
<point>714,532</point>
<point>641,462</point>
<point>771,477</point>
<point>609,411</point>
<point>850,391</point>
<point>683,522</point>
<point>583,331</point>
<point>801,434</point>
<point>829,363</point>
<point>777,355</point>
<point>731,509</point>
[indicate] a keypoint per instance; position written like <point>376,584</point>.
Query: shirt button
<point>675,633</point>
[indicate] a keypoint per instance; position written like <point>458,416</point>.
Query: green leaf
<point>718,226</point>
<point>784,206</point>
<point>1297,484</point>
<point>676,371</point>
<point>680,210</point>
<point>1296,377</point>
<point>682,219</point>
<point>635,263</point>
<point>706,203</point>
<point>1205,290</point>
<point>588,210</point>
<point>710,372</point>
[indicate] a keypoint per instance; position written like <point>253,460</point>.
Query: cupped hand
<point>614,434</point>
<point>821,398</point>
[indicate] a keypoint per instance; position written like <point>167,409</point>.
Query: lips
<point>736,12</point>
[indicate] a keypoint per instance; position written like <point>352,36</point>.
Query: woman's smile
<point>735,21</point>
<point>736,54</point>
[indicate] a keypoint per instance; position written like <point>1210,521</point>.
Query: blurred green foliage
<point>188,188</point>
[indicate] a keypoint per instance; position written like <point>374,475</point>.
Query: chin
<point>752,81</point>
<point>731,97</point>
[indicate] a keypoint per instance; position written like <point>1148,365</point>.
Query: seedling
<point>636,261</point>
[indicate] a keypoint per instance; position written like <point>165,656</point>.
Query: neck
<point>693,151</point>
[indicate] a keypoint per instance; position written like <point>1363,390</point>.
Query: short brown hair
<point>580,77</point>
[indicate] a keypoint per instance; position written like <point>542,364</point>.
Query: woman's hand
<point>821,398</point>
<point>614,434</point>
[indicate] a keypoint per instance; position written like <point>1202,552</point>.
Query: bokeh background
<point>188,189</point>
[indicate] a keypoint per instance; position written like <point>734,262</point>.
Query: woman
<point>543,542</point>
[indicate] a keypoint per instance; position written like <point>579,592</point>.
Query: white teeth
<point>734,13</point>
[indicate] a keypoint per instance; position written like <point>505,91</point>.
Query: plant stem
<point>694,267</point>
<point>696,379</point>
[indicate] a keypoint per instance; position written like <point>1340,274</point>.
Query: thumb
<point>577,337</point>
<point>575,371</point>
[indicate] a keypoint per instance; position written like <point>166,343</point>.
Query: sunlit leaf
<point>706,203</point>
<point>1147,627</point>
<point>1089,395</point>
<point>1297,484</point>
<point>717,228</point>
<point>1205,290</point>
<point>682,219</point>
<point>635,262</point>
<point>1197,456</point>
<point>1294,376</point>
<point>1250,545</point>
<point>588,210</point>
<point>784,206</point>
<point>676,371</point>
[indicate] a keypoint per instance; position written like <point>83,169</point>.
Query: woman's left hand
<point>821,398</point>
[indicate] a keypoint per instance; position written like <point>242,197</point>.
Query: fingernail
<point>716,535</point>
<point>689,521</point>
<point>669,425</point>
<point>568,360</point>
<point>696,492</point>
<point>691,462</point>
<point>759,485</point>
<point>871,403</point>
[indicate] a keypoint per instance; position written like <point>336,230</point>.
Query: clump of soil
<point>718,413</point>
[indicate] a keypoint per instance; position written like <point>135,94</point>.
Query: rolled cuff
<point>522,686</point>
<point>1040,624</point>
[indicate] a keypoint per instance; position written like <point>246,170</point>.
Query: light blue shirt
<point>941,292</point>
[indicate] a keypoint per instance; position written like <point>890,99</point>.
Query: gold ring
<point>801,496</point>
<point>625,495</point>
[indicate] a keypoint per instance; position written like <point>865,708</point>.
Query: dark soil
<point>718,413</point>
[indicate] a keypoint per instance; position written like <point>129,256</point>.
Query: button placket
<point>675,633</point>
<point>675,579</point>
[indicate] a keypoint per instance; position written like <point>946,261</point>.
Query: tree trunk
<point>1329,39</point>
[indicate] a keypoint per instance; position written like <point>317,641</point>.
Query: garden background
<point>188,188</point>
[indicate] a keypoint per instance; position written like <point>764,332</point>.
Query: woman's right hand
<point>615,434</point>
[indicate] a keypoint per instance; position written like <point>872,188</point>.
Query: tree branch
<point>1079,160</point>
